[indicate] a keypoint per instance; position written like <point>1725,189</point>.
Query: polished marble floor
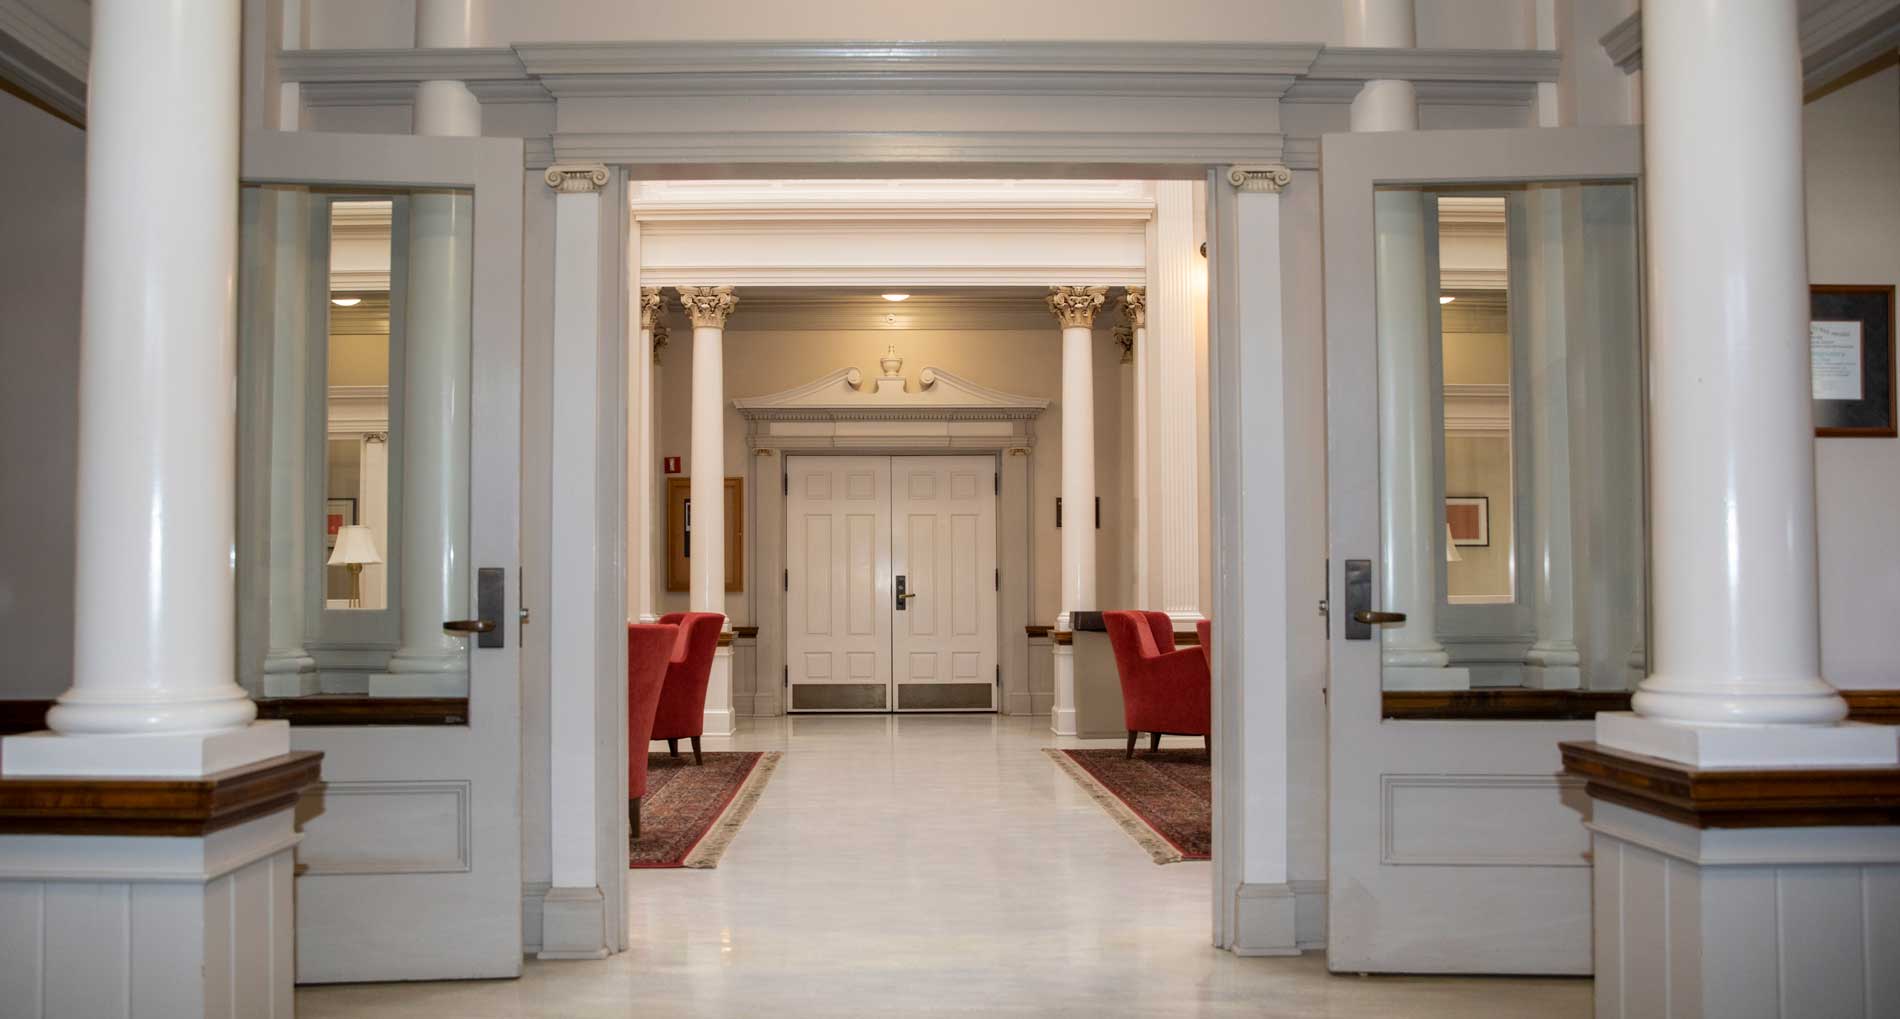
<point>933,865</point>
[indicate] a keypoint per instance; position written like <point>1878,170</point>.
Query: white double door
<point>891,583</point>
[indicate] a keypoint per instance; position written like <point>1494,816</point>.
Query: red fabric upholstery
<point>1161,626</point>
<point>682,711</point>
<point>1205,628</point>
<point>1161,692</point>
<point>649,646</point>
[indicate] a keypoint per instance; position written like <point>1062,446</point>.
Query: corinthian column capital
<point>708,306</point>
<point>1271,178</point>
<point>576,178</point>
<point>651,304</point>
<point>660,335</point>
<point>1135,307</point>
<point>1075,306</point>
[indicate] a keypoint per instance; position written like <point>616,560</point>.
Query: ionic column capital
<point>708,307</point>
<point>1269,178</point>
<point>1135,307</point>
<point>1075,307</point>
<point>576,178</point>
<point>652,302</point>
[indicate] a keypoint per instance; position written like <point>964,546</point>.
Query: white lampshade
<point>1451,548</point>
<point>354,544</point>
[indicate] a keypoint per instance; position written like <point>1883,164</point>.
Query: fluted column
<point>640,364</point>
<point>1074,309</point>
<point>1133,447</point>
<point>1552,661</point>
<point>1383,104</point>
<point>447,107</point>
<point>1175,410</point>
<point>289,669</point>
<point>1736,676</point>
<point>708,308</point>
<point>154,688</point>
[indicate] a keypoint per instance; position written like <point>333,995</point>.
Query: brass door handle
<point>1376,618</point>
<point>470,626</point>
<point>912,594</point>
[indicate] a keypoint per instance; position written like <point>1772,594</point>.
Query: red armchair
<point>1162,692</point>
<point>649,646</point>
<point>1161,625</point>
<point>682,712</point>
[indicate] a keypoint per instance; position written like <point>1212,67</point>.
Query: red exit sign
<point>672,464</point>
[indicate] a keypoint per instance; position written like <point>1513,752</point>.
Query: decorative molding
<point>192,807</point>
<point>1074,307</point>
<point>1453,278</point>
<point>1737,797</point>
<point>352,710</point>
<point>942,396</point>
<point>43,60</point>
<point>1513,703</point>
<point>652,304</point>
<point>1125,336</point>
<point>1135,307</point>
<point>1477,409</point>
<point>1300,153</point>
<point>466,64</point>
<point>576,179</point>
<point>1836,37</point>
<point>1111,148</point>
<point>661,334</point>
<point>1486,849</point>
<point>708,307</point>
<point>1361,64</point>
<point>1624,43</point>
<point>1269,179</point>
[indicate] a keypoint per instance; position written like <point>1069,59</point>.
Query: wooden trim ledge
<point>190,807</point>
<point>1736,797</point>
<point>1502,703</point>
<point>351,709</point>
<point>1881,707</point>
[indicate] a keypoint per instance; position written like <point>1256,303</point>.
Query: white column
<point>154,664</point>
<point>708,308</point>
<point>1133,583</point>
<point>1383,104</point>
<point>374,488</point>
<point>1175,410</point>
<point>289,670</point>
<point>433,662</point>
<point>1737,649</point>
<point>571,923</point>
<point>1411,519</point>
<point>447,107</point>
<point>1552,661</point>
<point>640,496</point>
<point>1074,308</point>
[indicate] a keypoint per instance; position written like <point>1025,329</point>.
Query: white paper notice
<point>1835,348</point>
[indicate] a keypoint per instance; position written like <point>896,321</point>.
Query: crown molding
<point>1351,63</point>
<point>898,276</point>
<point>43,59</point>
<point>1836,37</point>
<point>940,396</point>
<point>1473,279</point>
<point>1094,149</point>
<point>468,64</point>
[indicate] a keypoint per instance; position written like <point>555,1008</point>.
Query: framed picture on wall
<point>337,514</point>
<point>1469,518</point>
<point>1851,352</point>
<point>679,534</point>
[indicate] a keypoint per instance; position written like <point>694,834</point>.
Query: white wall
<point>42,216</point>
<point>1853,182</point>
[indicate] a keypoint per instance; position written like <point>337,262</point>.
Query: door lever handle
<point>1370,618</point>
<point>470,626</point>
<point>912,594</point>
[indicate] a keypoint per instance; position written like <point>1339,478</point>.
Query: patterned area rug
<point>691,812</point>
<point>1163,800</point>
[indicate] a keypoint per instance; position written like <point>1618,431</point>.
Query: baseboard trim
<point>718,722</point>
<point>573,924</point>
<point>1309,921</point>
<point>532,894</point>
<point>1062,721</point>
<point>1266,920</point>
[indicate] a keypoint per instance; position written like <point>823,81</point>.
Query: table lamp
<point>355,546</point>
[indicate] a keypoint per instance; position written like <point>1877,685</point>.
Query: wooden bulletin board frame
<point>678,566</point>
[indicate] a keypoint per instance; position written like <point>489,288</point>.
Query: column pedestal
<point>1062,713</point>
<point>719,713</point>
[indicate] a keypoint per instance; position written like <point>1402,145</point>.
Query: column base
<point>1553,677</point>
<point>48,753</point>
<point>1062,712</point>
<point>418,684</point>
<point>295,682</point>
<point>1413,677</point>
<point>719,713</point>
<point>1751,746</point>
<point>1266,920</point>
<point>573,924</point>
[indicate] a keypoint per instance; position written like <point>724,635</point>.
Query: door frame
<point>782,616</point>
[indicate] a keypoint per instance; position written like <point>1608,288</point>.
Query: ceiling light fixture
<point>1446,300</point>
<point>896,297</point>
<point>346,302</point>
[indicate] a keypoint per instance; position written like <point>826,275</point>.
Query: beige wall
<point>1026,362</point>
<point>1853,181</point>
<point>42,204</point>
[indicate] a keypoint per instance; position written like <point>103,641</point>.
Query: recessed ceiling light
<point>346,302</point>
<point>1446,300</point>
<point>896,297</point>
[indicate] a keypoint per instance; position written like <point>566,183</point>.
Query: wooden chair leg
<point>633,816</point>
<point>696,758</point>
<point>1131,743</point>
<point>1154,742</point>
<point>673,748</point>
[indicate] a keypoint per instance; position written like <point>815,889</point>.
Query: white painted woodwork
<point>413,843</point>
<point>642,472</point>
<point>1383,104</point>
<point>1166,348</point>
<point>446,107</point>
<point>436,578</point>
<point>1411,516</point>
<point>1731,428</point>
<point>838,552</point>
<point>1077,587</point>
<point>943,539</point>
<point>1443,825</point>
<point>1789,923</point>
<point>289,669</point>
<point>149,928</point>
<point>707,467</point>
<point>1552,661</point>
<point>154,638</point>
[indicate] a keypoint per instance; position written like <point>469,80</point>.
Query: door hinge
<point>786,481</point>
<point>788,677</point>
<point>788,580</point>
<point>996,483</point>
<point>999,578</point>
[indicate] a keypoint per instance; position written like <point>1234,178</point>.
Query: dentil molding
<point>1270,179</point>
<point>576,178</point>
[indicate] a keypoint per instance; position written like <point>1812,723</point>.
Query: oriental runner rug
<point>1163,799</point>
<point>692,812</point>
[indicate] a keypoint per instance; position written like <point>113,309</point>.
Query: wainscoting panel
<point>419,827</point>
<point>1483,820</point>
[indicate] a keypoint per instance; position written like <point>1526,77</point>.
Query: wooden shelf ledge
<point>1736,797</point>
<point>189,807</point>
